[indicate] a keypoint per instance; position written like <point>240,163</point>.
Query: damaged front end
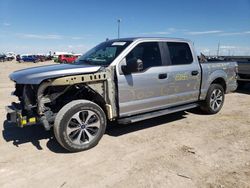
<point>40,103</point>
<point>24,112</point>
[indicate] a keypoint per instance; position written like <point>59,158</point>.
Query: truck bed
<point>223,69</point>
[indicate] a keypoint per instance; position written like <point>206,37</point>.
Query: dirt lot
<point>186,149</point>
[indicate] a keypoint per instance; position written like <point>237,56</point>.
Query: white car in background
<point>10,56</point>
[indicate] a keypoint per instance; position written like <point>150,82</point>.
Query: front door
<point>140,91</point>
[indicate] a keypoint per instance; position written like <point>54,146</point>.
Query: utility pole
<point>218,50</point>
<point>119,21</point>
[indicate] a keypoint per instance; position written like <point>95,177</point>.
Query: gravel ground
<point>185,149</point>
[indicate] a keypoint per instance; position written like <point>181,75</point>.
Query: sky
<point>29,26</point>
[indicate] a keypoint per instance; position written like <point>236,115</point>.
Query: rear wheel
<point>214,99</point>
<point>80,125</point>
<point>64,61</point>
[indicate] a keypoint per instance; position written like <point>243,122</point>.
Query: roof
<point>151,38</point>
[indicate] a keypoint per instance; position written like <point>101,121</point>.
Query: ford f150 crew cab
<point>124,80</point>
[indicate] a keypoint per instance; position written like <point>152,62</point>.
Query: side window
<point>148,53</point>
<point>180,53</point>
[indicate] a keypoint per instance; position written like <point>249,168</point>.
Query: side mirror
<point>133,65</point>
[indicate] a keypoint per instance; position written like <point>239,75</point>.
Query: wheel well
<point>221,82</point>
<point>80,91</point>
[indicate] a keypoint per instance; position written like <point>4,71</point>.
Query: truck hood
<point>37,74</point>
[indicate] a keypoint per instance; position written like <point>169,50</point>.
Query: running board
<point>149,115</point>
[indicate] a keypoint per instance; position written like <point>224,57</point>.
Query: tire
<point>214,99</point>
<point>75,136</point>
<point>64,62</point>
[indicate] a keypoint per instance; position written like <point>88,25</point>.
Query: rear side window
<point>180,53</point>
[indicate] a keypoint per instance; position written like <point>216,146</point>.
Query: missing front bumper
<point>14,115</point>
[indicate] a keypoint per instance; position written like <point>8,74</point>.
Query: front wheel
<point>214,99</point>
<point>79,125</point>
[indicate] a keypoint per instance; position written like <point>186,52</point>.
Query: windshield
<point>103,54</point>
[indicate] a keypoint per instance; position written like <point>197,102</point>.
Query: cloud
<point>168,31</point>
<point>161,33</point>
<point>224,50</point>
<point>43,49</point>
<point>6,24</point>
<point>78,48</point>
<point>36,36</point>
<point>77,38</point>
<point>218,32</point>
<point>204,32</point>
<point>231,34</point>
<point>235,33</point>
<point>157,33</point>
<point>48,36</point>
<point>228,47</point>
<point>172,29</point>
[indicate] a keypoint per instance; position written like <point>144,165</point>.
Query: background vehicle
<point>67,58</point>
<point>56,55</point>
<point>10,56</point>
<point>28,58</point>
<point>41,58</point>
<point>125,80</point>
<point>2,57</point>
<point>243,66</point>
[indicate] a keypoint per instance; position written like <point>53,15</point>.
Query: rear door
<point>184,74</point>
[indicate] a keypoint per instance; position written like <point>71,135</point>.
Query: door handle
<point>163,76</point>
<point>194,73</point>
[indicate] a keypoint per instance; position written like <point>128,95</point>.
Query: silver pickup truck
<point>124,80</point>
